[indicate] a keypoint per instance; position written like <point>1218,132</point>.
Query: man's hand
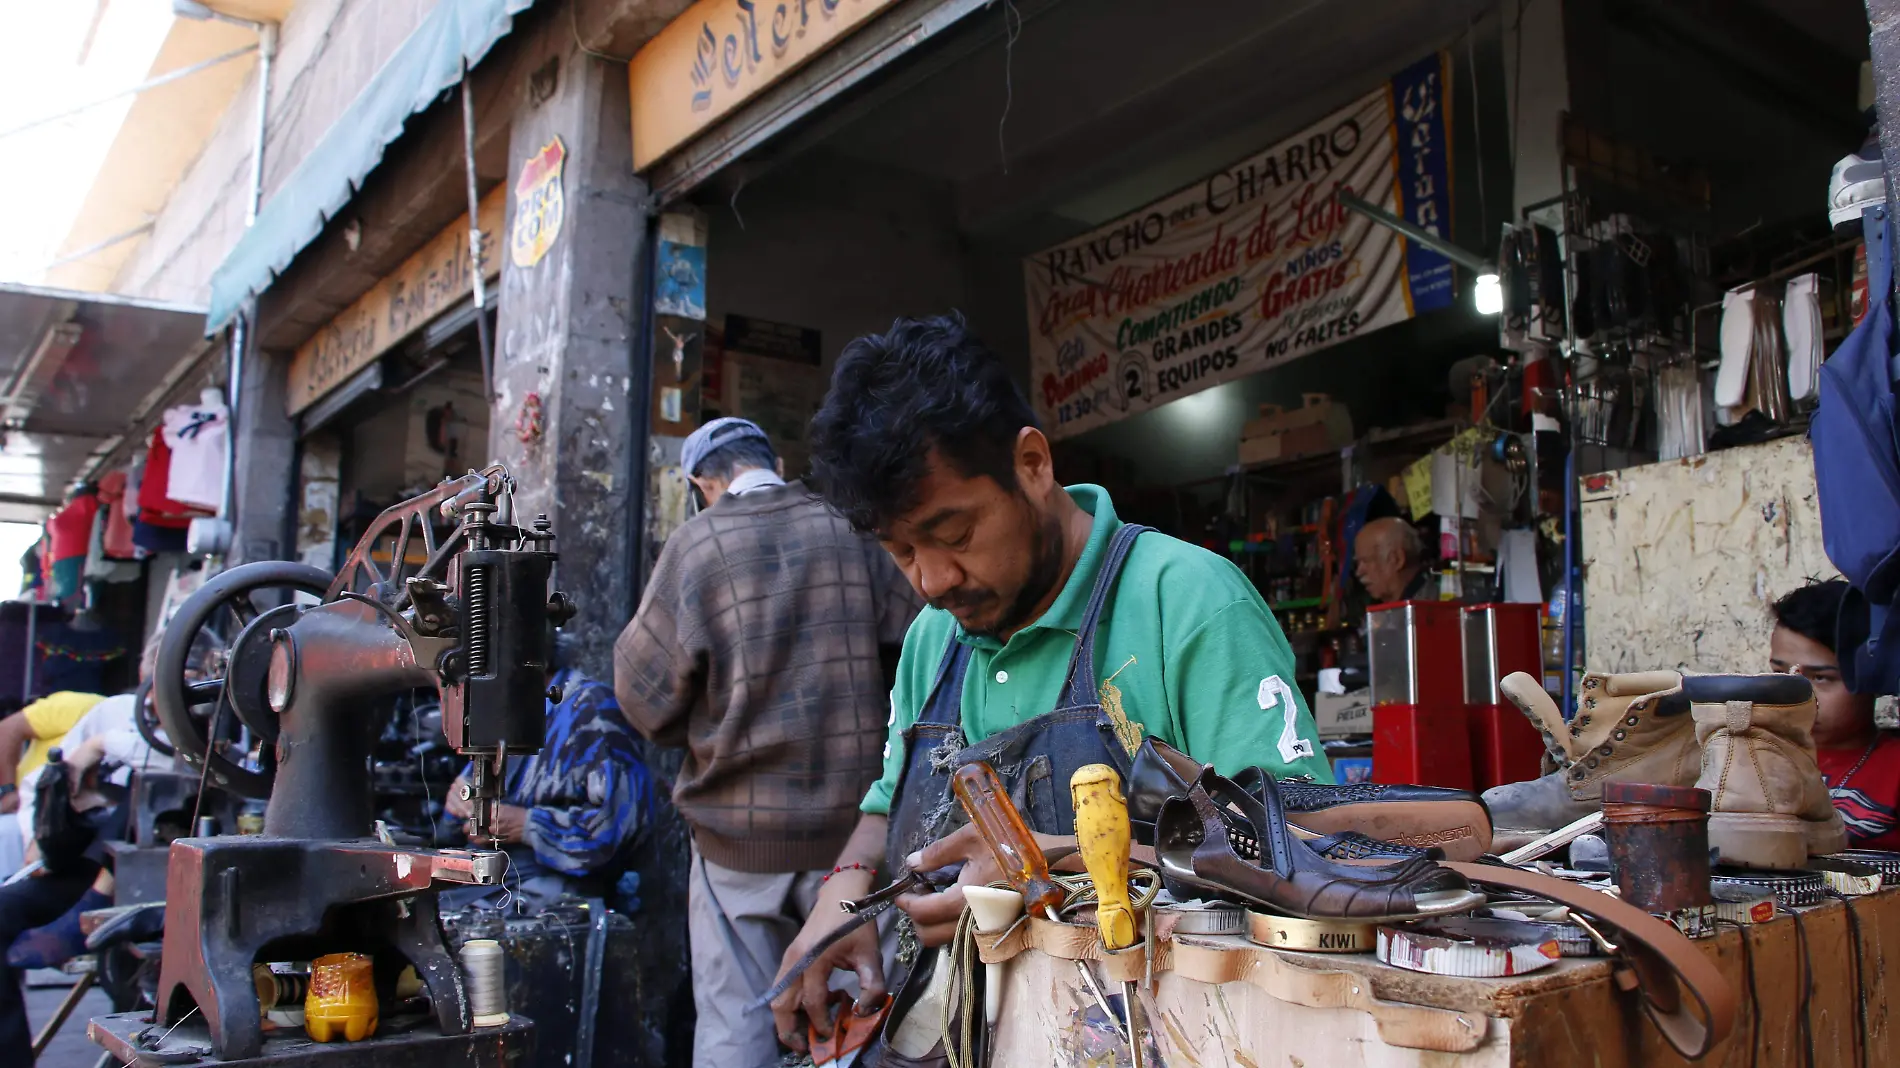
<point>510,824</point>
<point>810,997</point>
<point>10,803</point>
<point>84,757</point>
<point>456,805</point>
<point>935,915</point>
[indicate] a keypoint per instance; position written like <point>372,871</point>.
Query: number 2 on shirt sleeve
<point>1275,693</point>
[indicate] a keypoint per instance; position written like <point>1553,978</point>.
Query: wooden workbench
<point>1567,1014</point>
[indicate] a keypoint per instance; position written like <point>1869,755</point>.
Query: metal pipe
<point>1570,576</point>
<point>151,83</point>
<point>234,379</point>
<point>480,284</point>
<point>240,326</point>
<point>266,51</point>
<point>1459,256</point>
<point>101,246</point>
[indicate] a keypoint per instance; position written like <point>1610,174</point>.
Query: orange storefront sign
<point>721,53</point>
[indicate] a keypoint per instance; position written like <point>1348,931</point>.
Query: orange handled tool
<point>1016,852</point>
<point>1010,842</point>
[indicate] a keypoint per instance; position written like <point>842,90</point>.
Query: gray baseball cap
<point>714,436</point>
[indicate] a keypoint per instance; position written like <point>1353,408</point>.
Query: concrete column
<point>564,421</point>
<point>1883,20</point>
<point>561,417</point>
<point>266,450</point>
<point>1537,87</point>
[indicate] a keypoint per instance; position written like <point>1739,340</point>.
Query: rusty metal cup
<point>1658,837</point>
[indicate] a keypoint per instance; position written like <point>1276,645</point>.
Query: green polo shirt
<point>1198,659</point>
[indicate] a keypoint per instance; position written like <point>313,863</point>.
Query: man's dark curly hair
<point>923,384</point>
<point>1811,610</point>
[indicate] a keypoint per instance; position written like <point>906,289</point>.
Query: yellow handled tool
<point>1101,831</point>
<point>1014,848</point>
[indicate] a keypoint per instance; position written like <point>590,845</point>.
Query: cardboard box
<point>1277,433</point>
<point>1343,715</point>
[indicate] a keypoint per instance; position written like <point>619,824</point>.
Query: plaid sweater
<point>765,644</point>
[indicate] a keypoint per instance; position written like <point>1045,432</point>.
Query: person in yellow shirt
<point>27,737</point>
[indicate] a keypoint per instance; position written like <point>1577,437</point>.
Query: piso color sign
<point>1256,265</point>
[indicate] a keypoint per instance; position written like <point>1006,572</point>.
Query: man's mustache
<point>965,599</point>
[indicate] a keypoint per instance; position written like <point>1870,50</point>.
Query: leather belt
<point>1664,961</point>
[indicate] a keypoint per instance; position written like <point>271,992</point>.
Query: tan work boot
<point>1632,727</point>
<point>1771,807</point>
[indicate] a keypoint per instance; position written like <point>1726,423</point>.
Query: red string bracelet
<point>844,867</point>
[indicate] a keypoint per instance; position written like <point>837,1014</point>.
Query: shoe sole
<point>1460,828</point>
<point>1772,841</point>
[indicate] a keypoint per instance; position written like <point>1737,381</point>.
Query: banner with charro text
<point>1257,265</point>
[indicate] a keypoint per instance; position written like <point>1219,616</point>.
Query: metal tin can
<point>1658,837</point>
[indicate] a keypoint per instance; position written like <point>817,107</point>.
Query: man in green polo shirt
<point>924,441</point>
<point>1195,656</point>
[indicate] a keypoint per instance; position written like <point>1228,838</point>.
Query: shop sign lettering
<point>540,205</point>
<point>1258,264</point>
<point>428,283</point>
<point>720,53</point>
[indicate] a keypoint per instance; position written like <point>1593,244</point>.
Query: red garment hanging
<point>70,529</point>
<point>155,504</point>
<point>117,541</point>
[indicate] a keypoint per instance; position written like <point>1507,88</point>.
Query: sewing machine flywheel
<point>211,670</point>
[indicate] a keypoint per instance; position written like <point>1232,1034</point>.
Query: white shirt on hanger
<point>195,434</point>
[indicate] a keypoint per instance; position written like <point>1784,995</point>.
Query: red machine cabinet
<point>1501,639</point>
<point>1420,726</point>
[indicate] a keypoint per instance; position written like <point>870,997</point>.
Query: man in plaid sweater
<point>766,645</point>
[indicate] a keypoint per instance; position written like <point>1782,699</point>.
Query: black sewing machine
<point>464,609</point>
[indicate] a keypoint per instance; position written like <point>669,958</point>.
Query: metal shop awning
<point>79,372</point>
<point>431,60</point>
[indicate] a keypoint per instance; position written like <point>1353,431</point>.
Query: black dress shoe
<point>1455,821</point>
<point>1161,772</point>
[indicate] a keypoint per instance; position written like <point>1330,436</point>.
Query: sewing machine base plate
<point>412,1041</point>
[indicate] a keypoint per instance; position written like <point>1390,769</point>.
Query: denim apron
<point>1033,759</point>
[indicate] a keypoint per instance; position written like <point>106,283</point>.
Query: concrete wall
<point>838,245</point>
<point>327,50</point>
<point>1682,559</point>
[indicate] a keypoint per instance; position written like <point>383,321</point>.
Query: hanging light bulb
<point>1488,294</point>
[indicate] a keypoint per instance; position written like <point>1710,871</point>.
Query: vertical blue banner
<point>1421,119</point>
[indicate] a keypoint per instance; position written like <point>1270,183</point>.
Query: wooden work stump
<point>1813,978</point>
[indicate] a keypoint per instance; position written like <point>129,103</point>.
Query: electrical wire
<point>1010,33</point>
<point>1517,82</point>
<point>1477,128</point>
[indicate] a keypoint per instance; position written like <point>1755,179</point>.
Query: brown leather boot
<point>1771,807</point>
<point>1632,727</point>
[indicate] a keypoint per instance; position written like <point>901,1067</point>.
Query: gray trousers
<point>740,924</point>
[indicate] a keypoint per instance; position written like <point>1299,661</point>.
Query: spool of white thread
<point>482,967</point>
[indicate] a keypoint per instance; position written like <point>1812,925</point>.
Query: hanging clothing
<point>195,434</point>
<point>70,529</point>
<point>101,568</point>
<point>32,569</point>
<point>68,534</point>
<point>156,539</point>
<point>117,541</point>
<point>157,507</point>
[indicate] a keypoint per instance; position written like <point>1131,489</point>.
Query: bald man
<point>1389,558</point>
